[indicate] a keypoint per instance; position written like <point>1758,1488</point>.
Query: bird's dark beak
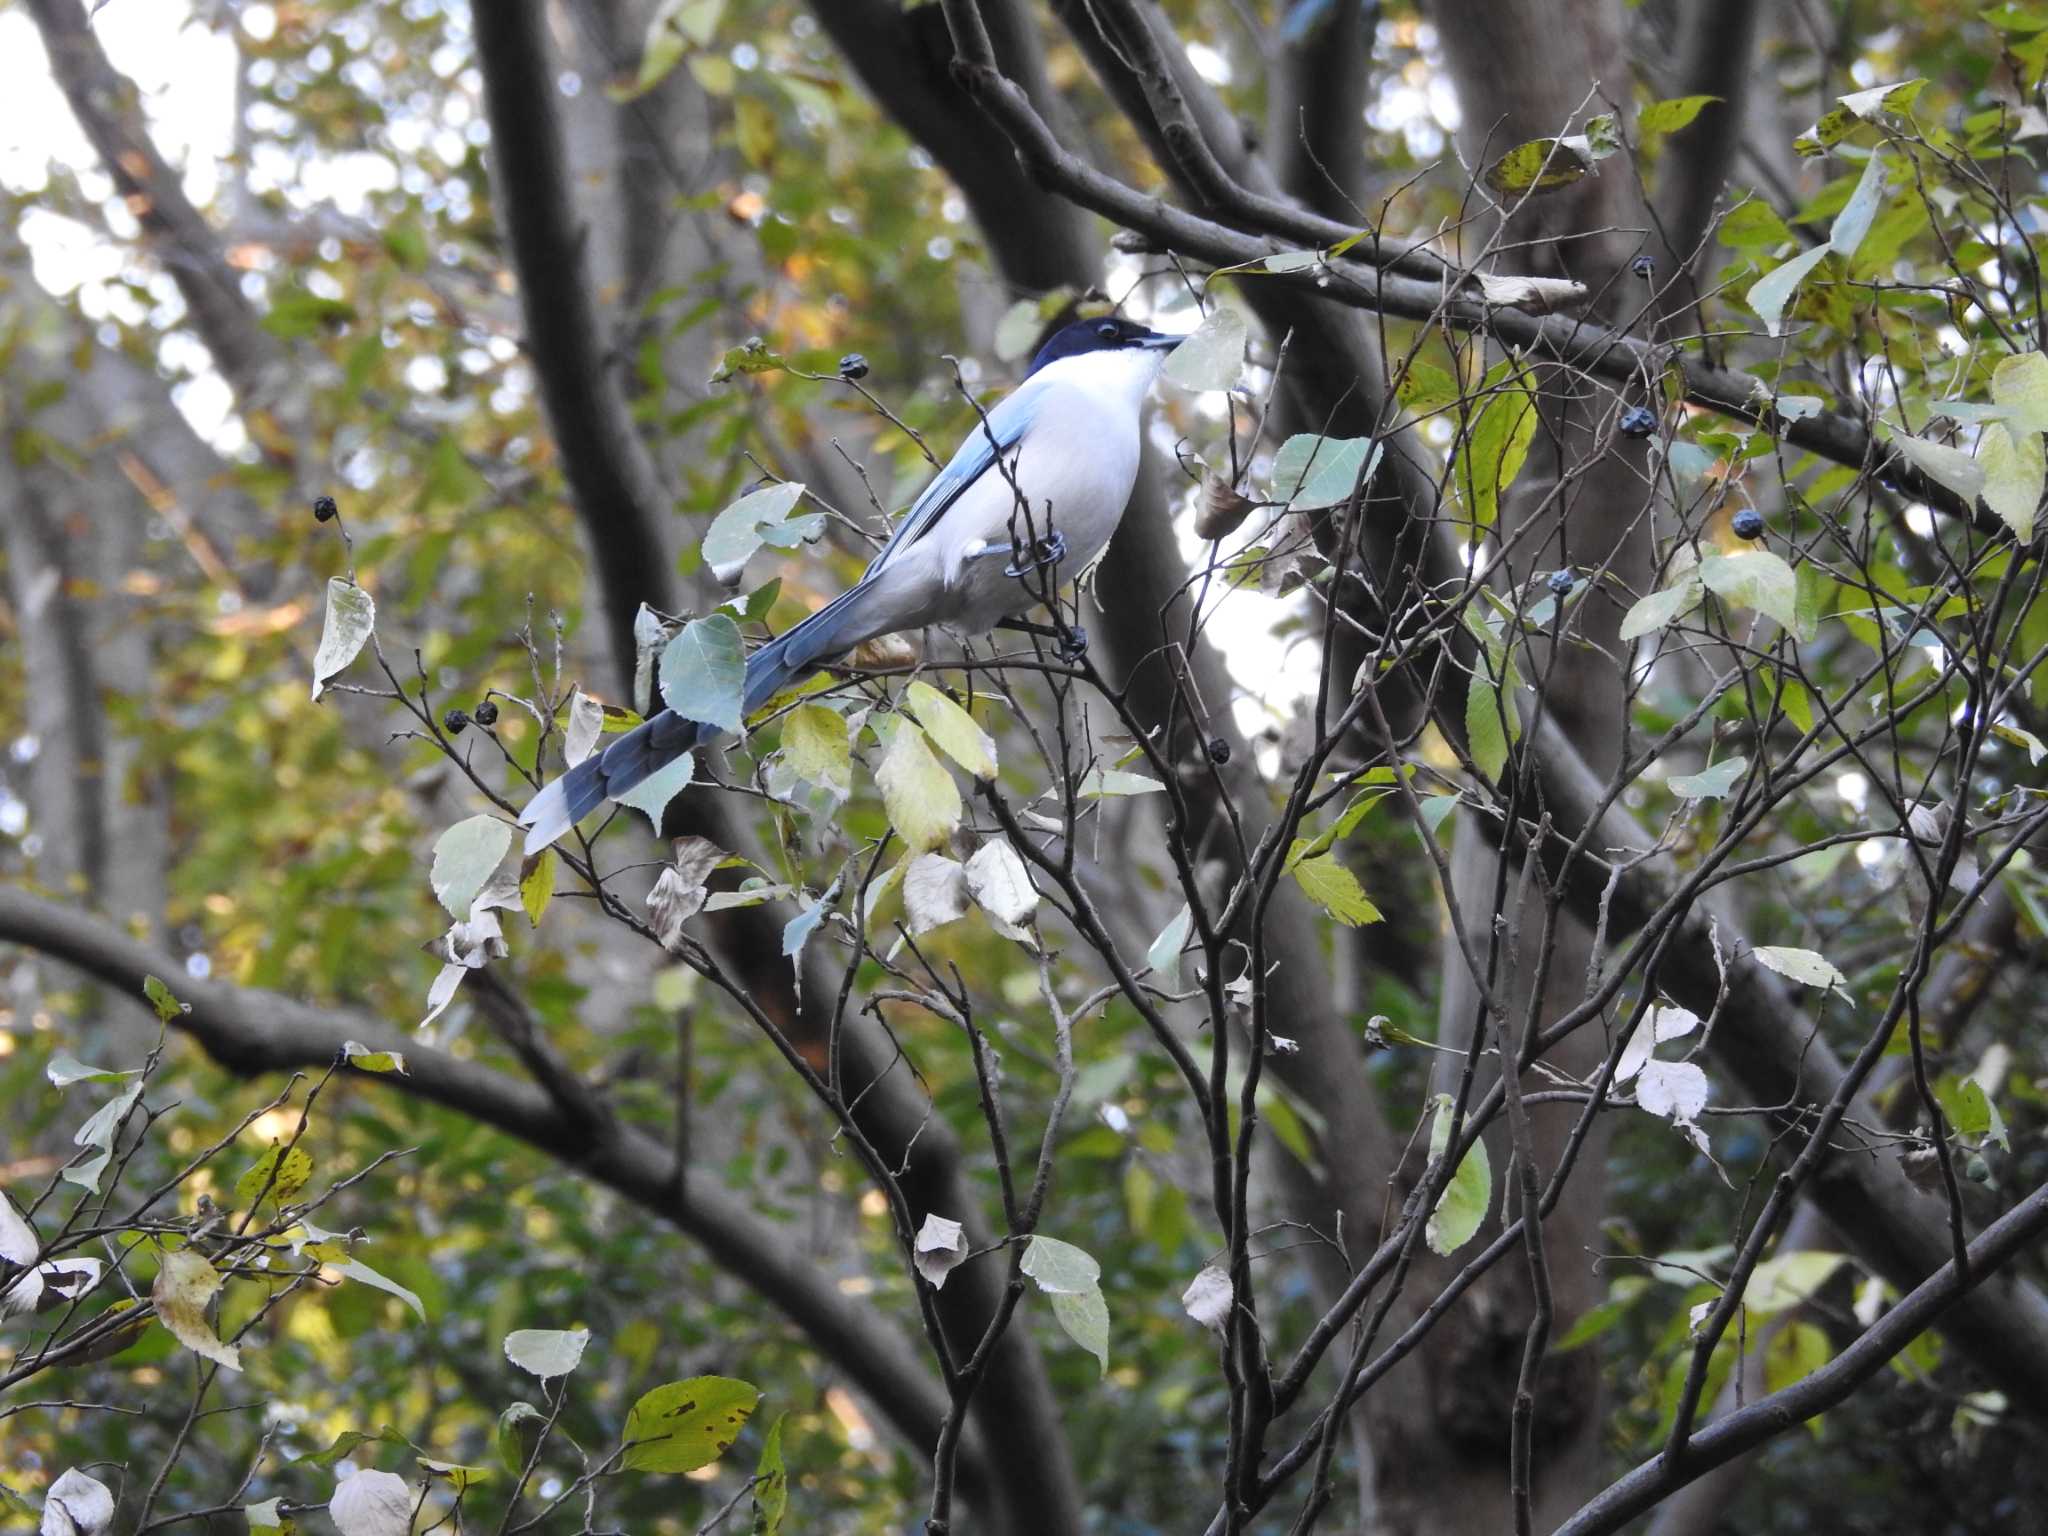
<point>1160,342</point>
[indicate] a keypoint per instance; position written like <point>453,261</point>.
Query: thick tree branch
<point>1765,1041</point>
<point>1716,46</point>
<point>1623,360</point>
<point>617,490</point>
<point>1747,1428</point>
<point>105,104</point>
<point>252,1032</point>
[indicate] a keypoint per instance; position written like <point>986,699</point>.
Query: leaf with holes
<point>276,1176</point>
<point>687,1424</point>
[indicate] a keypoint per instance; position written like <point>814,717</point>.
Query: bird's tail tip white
<point>545,818</point>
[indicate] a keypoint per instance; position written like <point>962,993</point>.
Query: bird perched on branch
<point>1041,482</point>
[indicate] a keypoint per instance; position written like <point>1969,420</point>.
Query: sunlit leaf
<point>1946,466</point>
<point>465,858</point>
<point>351,617</point>
<point>1085,1320</point>
<point>1801,965</point>
<point>1669,116</point>
<point>78,1505</point>
<point>185,1283</point>
<point>1332,886</point>
<point>1208,1297</point>
<point>1540,165</point>
<point>1757,579</point>
<point>737,532</point>
<point>1060,1268</point>
<point>1213,356</point>
<point>940,1246</point>
<point>687,1424</point>
<point>1769,294</point>
<point>2015,473</point>
<point>921,798</point>
<point>546,1352</point>
<point>1657,610</point>
<point>952,728</point>
<point>276,1176</point>
<point>372,1503</point>
<point>818,747</point>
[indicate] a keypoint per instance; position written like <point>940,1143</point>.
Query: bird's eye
<point>1106,330</point>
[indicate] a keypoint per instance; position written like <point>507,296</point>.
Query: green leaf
<point>2020,383</point>
<point>1164,954</point>
<point>1085,1318</point>
<point>1754,223</point>
<point>1964,1102</point>
<point>1660,608</point>
<point>1853,222</point>
<point>2015,472</point>
<point>460,1475</point>
<point>1769,294</point>
<point>64,1069</point>
<point>1434,809</point>
<point>1311,472</point>
<point>921,798</point>
<point>1098,782</point>
<point>1540,165</point>
<point>1425,389</point>
<point>1331,886</point>
<point>1487,725</point>
<point>1464,1203</point>
<point>515,1438</point>
<point>771,1483</point>
<point>687,1424</point>
<point>737,532</point>
<point>1670,115</point>
<point>1213,356</point>
<point>1948,467</point>
<point>537,884</point>
<point>1496,443</point>
<point>351,618</point>
<point>465,858</point>
<point>1785,1280</point>
<point>953,729</point>
<point>704,672</point>
<point>1060,1269</point>
<point>652,794</point>
<point>817,747</point>
<point>292,1167</point>
<point>1709,783</point>
<point>546,1352</point>
<point>167,1007</point>
<point>356,1269</point>
<point>1755,579</point>
<point>751,356</point>
<point>363,1059</point>
<point>1795,1352</point>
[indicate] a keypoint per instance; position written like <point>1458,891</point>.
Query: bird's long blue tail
<point>660,739</point>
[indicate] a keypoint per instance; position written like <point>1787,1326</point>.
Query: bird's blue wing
<point>1005,425</point>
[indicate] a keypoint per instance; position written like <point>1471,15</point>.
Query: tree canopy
<point>1580,609</point>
